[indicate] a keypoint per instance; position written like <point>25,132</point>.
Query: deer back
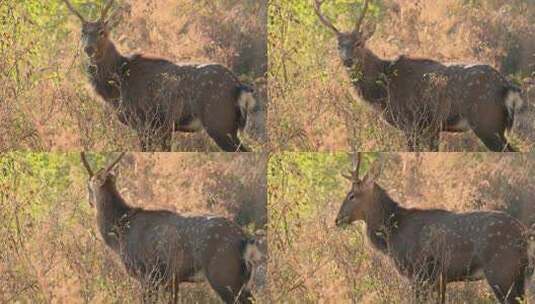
<point>159,86</point>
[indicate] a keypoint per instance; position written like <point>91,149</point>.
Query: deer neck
<point>104,74</point>
<point>111,208</point>
<point>368,76</point>
<point>382,221</point>
<point>111,61</point>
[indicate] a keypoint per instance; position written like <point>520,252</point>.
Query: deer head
<point>362,196</point>
<point>348,42</point>
<point>96,34</point>
<point>101,180</point>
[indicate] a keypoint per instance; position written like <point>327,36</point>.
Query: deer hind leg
<point>228,142</point>
<point>230,288</point>
<point>490,125</point>
<point>225,275</point>
<point>495,141</point>
<point>507,289</point>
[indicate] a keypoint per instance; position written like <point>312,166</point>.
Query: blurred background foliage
<point>50,250</point>
<point>46,102</point>
<point>312,106</point>
<point>316,262</point>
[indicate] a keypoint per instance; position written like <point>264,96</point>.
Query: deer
<point>156,97</point>
<point>423,97</point>
<point>162,249</point>
<point>433,247</point>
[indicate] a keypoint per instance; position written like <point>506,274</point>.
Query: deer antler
<point>86,164</point>
<point>323,19</point>
<point>356,159</point>
<point>114,163</point>
<point>105,10</point>
<point>362,15</point>
<point>71,8</point>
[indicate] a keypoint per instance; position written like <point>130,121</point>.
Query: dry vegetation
<point>317,262</point>
<point>46,102</point>
<point>312,105</point>
<point>50,250</point>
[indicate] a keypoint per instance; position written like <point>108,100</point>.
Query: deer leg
<point>225,273</point>
<point>496,142</point>
<point>489,124</point>
<point>507,290</point>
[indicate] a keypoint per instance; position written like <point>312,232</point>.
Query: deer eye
<point>101,33</point>
<point>351,196</point>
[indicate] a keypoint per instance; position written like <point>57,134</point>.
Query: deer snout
<point>89,50</point>
<point>341,221</point>
<point>348,62</point>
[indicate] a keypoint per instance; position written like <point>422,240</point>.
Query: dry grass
<point>50,250</point>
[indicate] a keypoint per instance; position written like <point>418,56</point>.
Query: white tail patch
<point>252,257</point>
<point>513,102</point>
<point>246,102</point>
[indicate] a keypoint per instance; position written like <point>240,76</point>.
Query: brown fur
<point>156,97</point>
<point>162,249</point>
<point>433,247</point>
<point>423,97</point>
